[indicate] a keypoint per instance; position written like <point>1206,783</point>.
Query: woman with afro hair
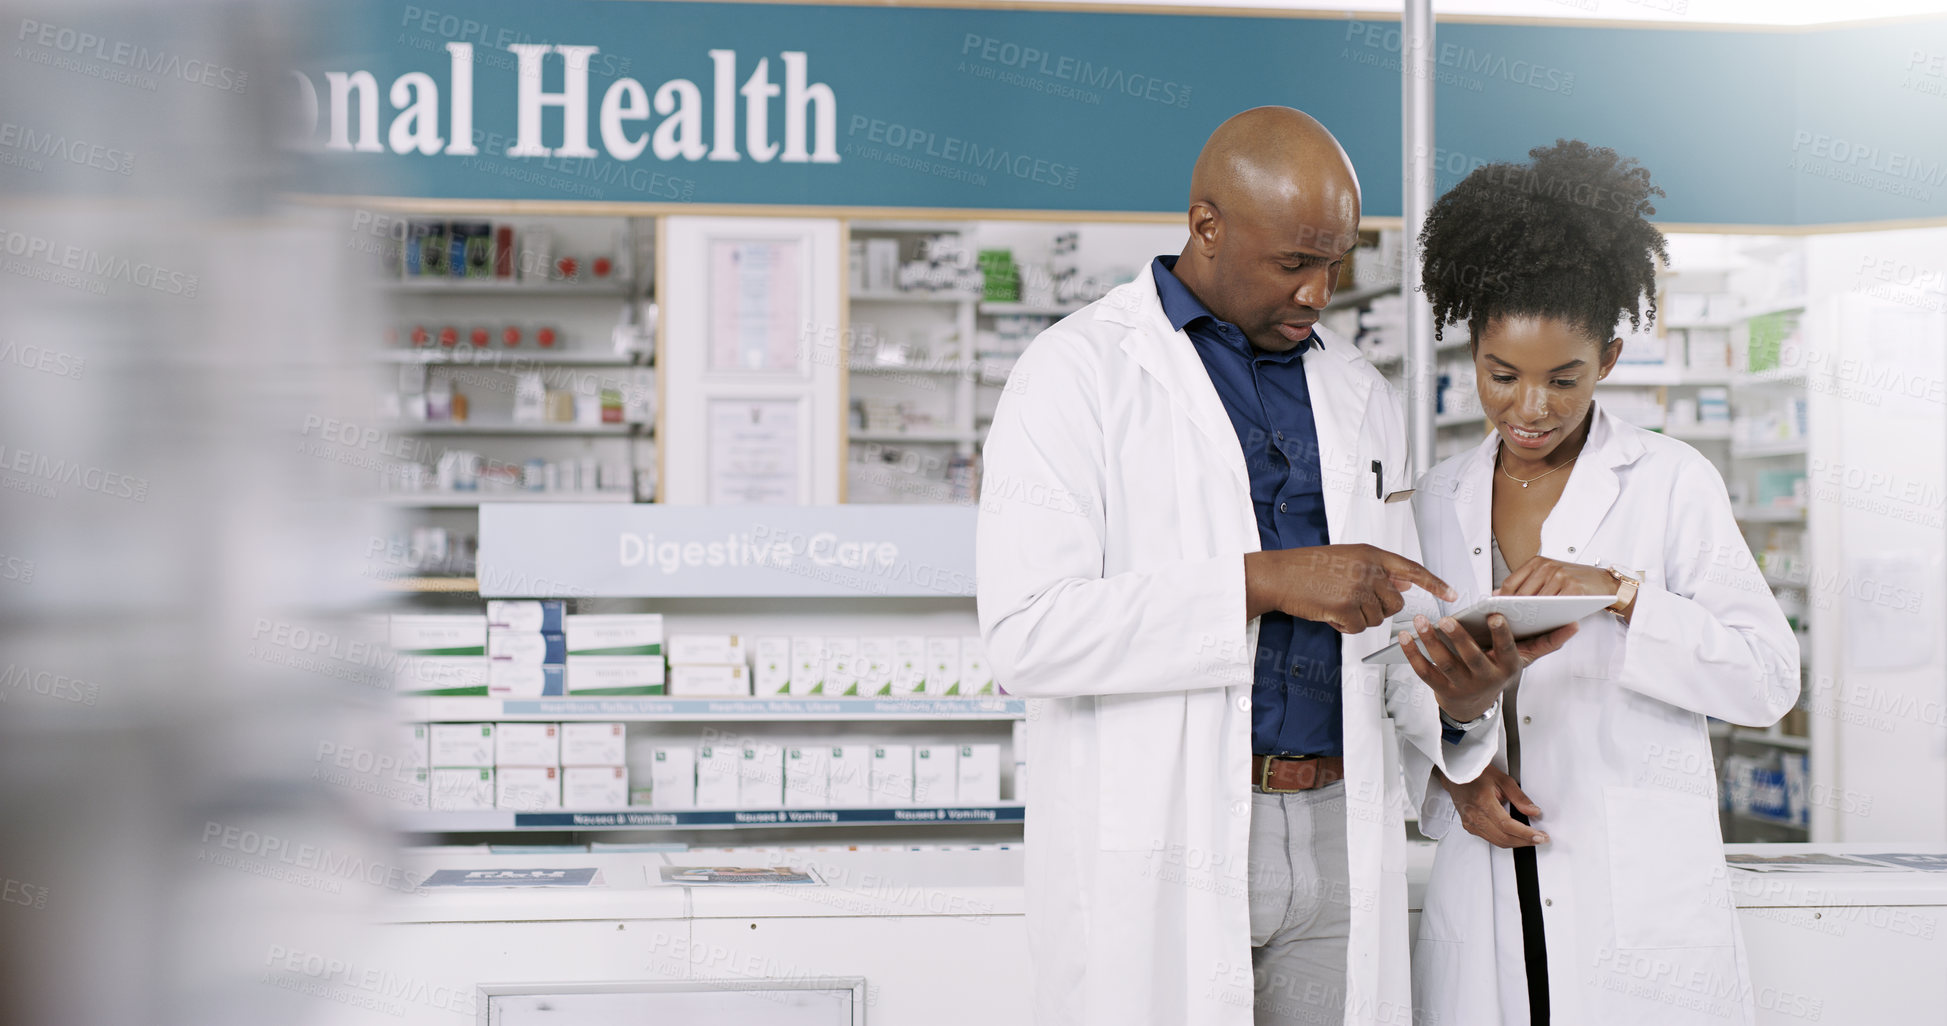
<point>1581,878</point>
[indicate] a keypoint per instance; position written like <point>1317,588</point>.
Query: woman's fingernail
<point>1541,839</point>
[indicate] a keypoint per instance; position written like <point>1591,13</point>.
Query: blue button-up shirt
<point>1295,695</point>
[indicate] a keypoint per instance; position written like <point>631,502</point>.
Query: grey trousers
<point>1301,911</point>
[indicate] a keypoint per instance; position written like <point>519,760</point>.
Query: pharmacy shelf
<point>953,370</point>
<point>435,285</point>
<point>1359,297</point>
<point>1464,418</point>
<point>1782,306</point>
<point>1759,817</point>
<point>1774,740</point>
<point>1766,450</point>
<point>498,820</point>
<point>467,500</point>
<point>915,296</point>
<point>502,359</point>
<point>434,585</point>
<point>910,227</point>
<point>708,710</point>
<point>1442,346</point>
<point>1700,432</point>
<point>1770,514</point>
<point>468,427</point>
<point>1790,377</point>
<point>912,437</point>
<point>1002,308</point>
<point>1636,375</point>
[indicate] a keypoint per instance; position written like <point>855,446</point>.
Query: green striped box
<point>614,634</point>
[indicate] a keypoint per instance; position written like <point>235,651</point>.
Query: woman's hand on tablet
<point>1544,576</point>
<point>1483,806</point>
<point>1466,680</point>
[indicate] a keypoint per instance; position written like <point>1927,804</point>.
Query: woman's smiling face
<point>1536,376</point>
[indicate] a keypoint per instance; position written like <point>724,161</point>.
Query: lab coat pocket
<point>1596,651</point>
<point>1666,870</point>
<point>1135,735</point>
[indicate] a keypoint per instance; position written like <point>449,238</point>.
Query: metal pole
<point>1416,108</point>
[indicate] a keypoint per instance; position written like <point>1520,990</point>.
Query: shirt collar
<point>1182,307</point>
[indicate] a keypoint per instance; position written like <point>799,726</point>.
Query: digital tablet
<point>1528,616</point>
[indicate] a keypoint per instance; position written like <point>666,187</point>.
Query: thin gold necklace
<point>1537,477</point>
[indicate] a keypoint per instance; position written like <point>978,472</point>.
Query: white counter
<point>939,937</point>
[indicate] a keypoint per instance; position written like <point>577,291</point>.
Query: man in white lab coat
<point>1190,534</point>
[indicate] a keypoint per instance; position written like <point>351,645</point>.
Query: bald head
<point>1272,158</point>
<point>1274,207</point>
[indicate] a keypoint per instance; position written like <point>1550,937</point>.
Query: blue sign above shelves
<point>647,550</point>
<point>1009,109</point>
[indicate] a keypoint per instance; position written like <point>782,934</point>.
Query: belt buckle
<point>1264,778</point>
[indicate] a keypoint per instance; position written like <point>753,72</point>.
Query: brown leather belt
<point>1278,775</point>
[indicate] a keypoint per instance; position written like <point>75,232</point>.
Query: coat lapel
<point>1339,394</point>
<point>1169,356</point>
<point>1591,490</point>
<point>1473,506</point>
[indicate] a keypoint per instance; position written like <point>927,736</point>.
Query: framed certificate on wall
<point>754,452</point>
<point>756,305</point>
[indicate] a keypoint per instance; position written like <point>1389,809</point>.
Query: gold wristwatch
<point>1627,582</point>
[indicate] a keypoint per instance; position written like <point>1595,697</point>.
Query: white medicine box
<point>841,666</point>
<point>672,772</point>
<point>594,744</point>
<point>707,649</point>
<point>807,781</point>
<point>525,788</point>
<point>462,789</point>
<point>876,661</point>
<point>594,787</point>
<point>851,776</point>
<point>527,744</point>
<point>942,666</point>
<point>979,775</point>
<point>908,664</point>
<point>760,776</point>
<point>461,744</point>
<point>936,774</point>
<point>408,789</point>
<point>729,680</point>
<point>407,745</point>
<point>891,781</point>
<point>770,666</point>
<point>807,665</point>
<point>976,677</point>
<point>716,776</point>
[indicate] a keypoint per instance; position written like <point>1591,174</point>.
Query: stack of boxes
<point>440,654</point>
<point>522,766</point>
<point>410,786</point>
<point>462,766</point>
<point>708,666</point>
<point>527,766</point>
<point>527,649</point>
<point>614,654</point>
<point>594,766</point>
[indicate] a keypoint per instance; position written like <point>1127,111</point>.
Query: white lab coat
<point>1115,514</point>
<point>1614,749</point>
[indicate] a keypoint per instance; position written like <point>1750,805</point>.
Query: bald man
<point>1189,533</point>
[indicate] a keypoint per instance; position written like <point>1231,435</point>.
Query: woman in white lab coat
<point>1580,879</point>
